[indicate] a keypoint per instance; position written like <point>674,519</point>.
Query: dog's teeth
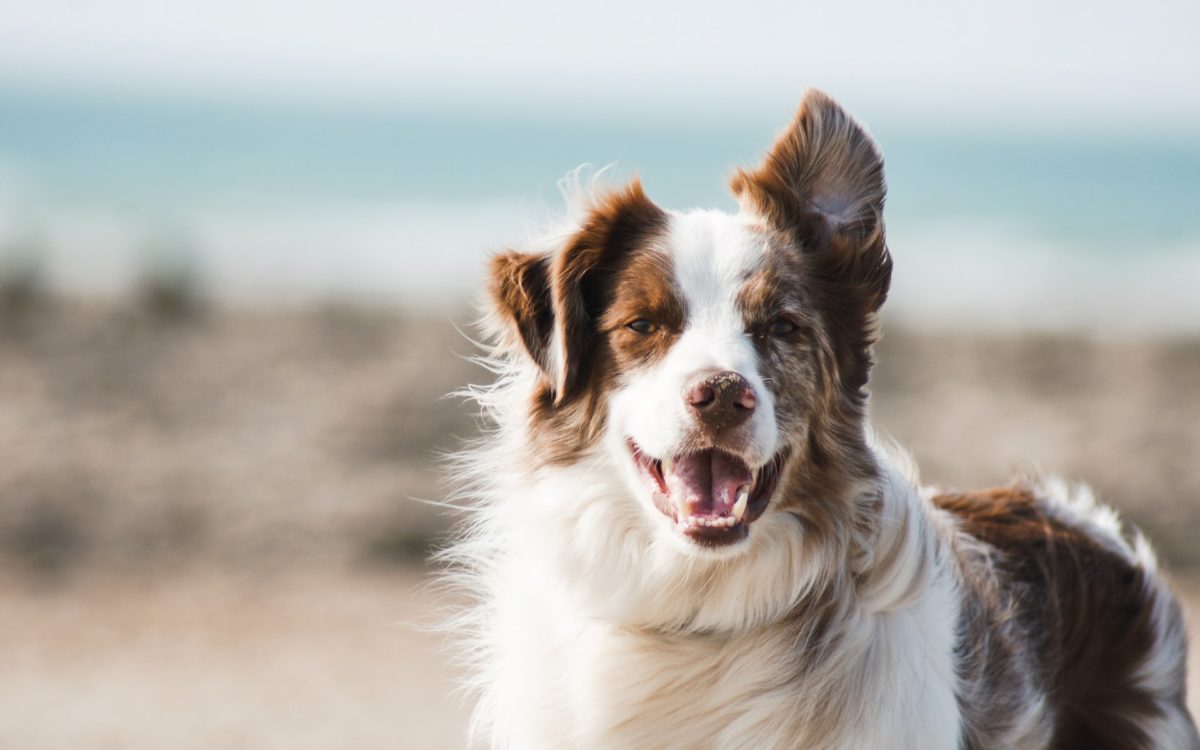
<point>668,466</point>
<point>743,497</point>
<point>722,522</point>
<point>708,522</point>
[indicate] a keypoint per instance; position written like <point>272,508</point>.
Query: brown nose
<point>722,400</point>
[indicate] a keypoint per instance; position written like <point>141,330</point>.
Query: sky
<point>1098,64</point>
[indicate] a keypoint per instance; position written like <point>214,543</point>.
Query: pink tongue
<point>708,480</point>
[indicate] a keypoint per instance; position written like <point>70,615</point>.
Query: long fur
<point>862,610</point>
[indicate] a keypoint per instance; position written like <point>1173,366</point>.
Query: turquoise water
<point>70,159</point>
<point>163,154</point>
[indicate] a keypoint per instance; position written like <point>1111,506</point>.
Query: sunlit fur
<point>858,613</point>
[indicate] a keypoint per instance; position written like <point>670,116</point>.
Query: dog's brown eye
<point>641,325</point>
<point>782,327</point>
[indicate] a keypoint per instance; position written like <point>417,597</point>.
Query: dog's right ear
<point>519,287</point>
<point>823,182</point>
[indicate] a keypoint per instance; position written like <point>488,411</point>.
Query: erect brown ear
<point>823,182</point>
<point>550,303</point>
<point>519,286</point>
<point>582,275</point>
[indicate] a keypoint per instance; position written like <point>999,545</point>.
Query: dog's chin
<point>710,497</point>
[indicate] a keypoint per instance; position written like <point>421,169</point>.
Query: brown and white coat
<point>684,535</point>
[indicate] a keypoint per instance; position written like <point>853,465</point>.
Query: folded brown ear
<point>518,284</point>
<point>581,278</point>
<point>823,178</point>
<point>555,300</point>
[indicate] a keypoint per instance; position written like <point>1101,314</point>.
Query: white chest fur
<point>563,680</point>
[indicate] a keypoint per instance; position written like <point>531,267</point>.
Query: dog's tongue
<point>708,481</point>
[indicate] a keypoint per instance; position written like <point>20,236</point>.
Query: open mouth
<point>712,496</point>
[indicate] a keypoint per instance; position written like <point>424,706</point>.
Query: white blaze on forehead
<point>713,252</point>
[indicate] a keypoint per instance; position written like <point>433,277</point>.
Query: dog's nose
<point>722,400</point>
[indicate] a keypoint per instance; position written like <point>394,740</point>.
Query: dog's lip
<point>722,523</point>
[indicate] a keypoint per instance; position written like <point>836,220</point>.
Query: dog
<point>684,533</point>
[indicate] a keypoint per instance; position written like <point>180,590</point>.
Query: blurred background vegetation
<point>238,244</point>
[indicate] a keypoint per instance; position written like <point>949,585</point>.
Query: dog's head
<point>721,360</point>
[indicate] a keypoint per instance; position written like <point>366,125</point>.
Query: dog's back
<point>1064,600</point>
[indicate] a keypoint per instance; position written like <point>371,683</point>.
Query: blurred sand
<point>251,437</point>
<point>315,661</point>
<point>208,536</point>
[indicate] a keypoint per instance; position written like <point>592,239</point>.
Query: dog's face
<point>720,360</point>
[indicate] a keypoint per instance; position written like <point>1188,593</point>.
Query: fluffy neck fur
<point>567,567</point>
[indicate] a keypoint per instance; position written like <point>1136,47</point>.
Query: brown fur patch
<point>791,364</point>
<point>644,290</point>
<point>1082,607</point>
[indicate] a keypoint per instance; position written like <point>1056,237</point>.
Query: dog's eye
<point>643,326</point>
<point>782,327</point>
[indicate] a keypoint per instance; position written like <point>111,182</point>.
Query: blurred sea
<point>274,202</point>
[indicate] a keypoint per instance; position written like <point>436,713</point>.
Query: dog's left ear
<point>548,305</point>
<point>823,183</point>
<point>519,288</point>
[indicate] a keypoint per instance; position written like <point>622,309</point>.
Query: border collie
<point>684,534</point>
